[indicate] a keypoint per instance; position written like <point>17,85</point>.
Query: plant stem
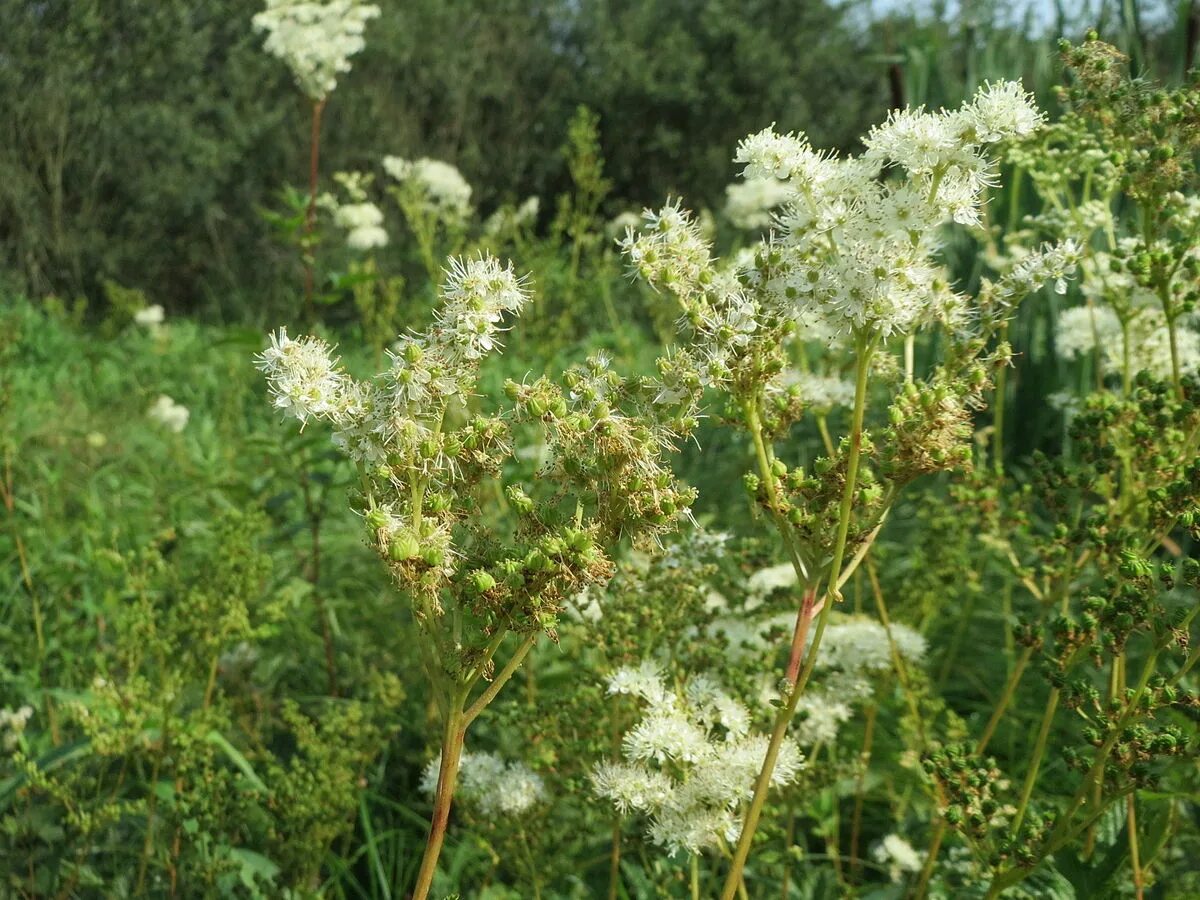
<point>864,762</point>
<point>1035,763</point>
<point>1000,396</point>
<point>695,879</point>
<point>1006,696</point>
<point>864,346</point>
<point>514,663</point>
<point>614,864</point>
<point>310,214</point>
<point>935,846</point>
<point>453,738</point>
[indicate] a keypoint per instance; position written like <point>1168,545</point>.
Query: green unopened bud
<point>403,548</point>
<point>481,582</point>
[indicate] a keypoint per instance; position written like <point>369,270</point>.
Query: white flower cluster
<point>363,224</point>
<point>509,218</point>
<point>690,763</point>
<point>749,204</point>
<point>12,724</point>
<point>170,414</point>
<point>820,392</point>
<point>361,219</point>
<point>1081,330</point>
<point>860,250</point>
<point>858,644</point>
<point>854,651</point>
<point>490,785</point>
<point>1049,263</point>
<point>150,317</point>
<point>440,187</point>
<point>899,856</point>
<point>389,416</point>
<point>315,39</point>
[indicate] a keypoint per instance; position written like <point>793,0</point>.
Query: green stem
<point>999,401</point>
<point>614,864</point>
<point>864,346</point>
<point>1035,763</point>
<point>472,712</point>
<point>1006,696</point>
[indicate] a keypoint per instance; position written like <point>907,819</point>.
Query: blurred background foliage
<point>144,138</point>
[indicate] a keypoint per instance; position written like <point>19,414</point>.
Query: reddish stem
<point>809,608</point>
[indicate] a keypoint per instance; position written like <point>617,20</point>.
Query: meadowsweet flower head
<point>478,292</point>
<point>170,414</point>
<point>859,644</point>
<point>490,785</point>
<point>690,763</point>
<point>12,725</point>
<point>899,856</point>
<point>820,392</point>
<point>150,317</point>
<point>783,157</point>
<point>439,186</point>
<point>748,204</point>
<point>315,38</point>
<point>363,224</point>
<point>304,379</point>
<point>1001,110</point>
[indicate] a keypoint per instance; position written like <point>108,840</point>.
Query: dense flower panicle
<point>1002,110</point>
<point>490,785</point>
<point>749,204</point>
<point>785,157</point>
<point>899,856</point>
<point>375,419</point>
<point>1080,330</point>
<point>859,644</point>
<point>304,379</point>
<point>315,38</point>
<point>820,392</point>
<point>12,725</point>
<point>150,317</point>
<point>670,253</point>
<point>853,250</point>
<point>170,414</point>
<point>690,763</point>
<point>478,293</point>
<point>441,188</point>
<point>645,681</point>
<point>363,223</point>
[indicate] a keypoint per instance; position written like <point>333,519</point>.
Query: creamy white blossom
<point>315,38</point>
<point>170,414</point>
<point>748,204</point>
<point>1081,330</point>
<point>12,724</point>
<point>690,762</point>
<point>150,317</point>
<point>490,785</point>
<point>363,223</point>
<point>899,856</point>
<point>440,187</point>
<point>820,392</point>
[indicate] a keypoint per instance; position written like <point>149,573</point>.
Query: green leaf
<point>215,737</point>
